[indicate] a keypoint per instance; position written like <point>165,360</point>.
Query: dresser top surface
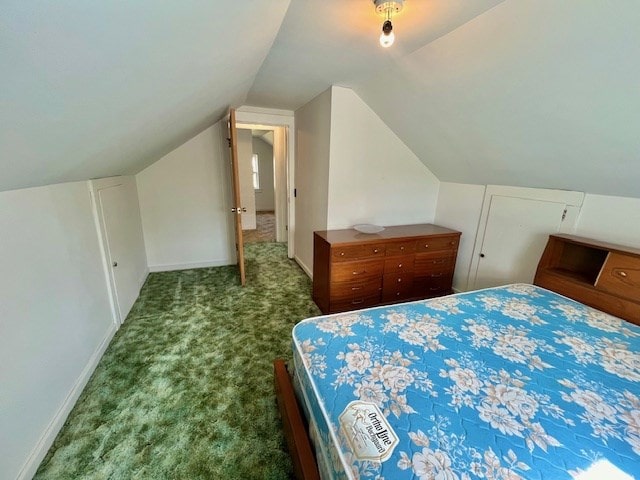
<point>349,235</point>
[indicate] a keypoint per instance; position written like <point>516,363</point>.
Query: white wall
<point>373,176</point>
<point>265,196</point>
<point>612,219</point>
<point>459,207</point>
<point>55,316</point>
<point>313,129</point>
<point>185,205</point>
<point>245,172</point>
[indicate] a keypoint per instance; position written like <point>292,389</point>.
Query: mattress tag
<point>367,431</point>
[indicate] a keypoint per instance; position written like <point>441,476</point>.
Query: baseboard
<point>142,279</point>
<point>49,435</point>
<point>306,269</point>
<point>189,266</point>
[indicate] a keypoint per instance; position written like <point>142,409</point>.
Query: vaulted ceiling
<point>536,93</point>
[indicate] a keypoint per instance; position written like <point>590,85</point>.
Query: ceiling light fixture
<point>387,8</point>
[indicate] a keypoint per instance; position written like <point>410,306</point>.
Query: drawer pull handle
<point>401,248</point>
<point>453,243</point>
<point>435,275</point>
<point>399,280</point>
<point>357,302</point>
<point>399,265</point>
<point>622,274</point>
<point>397,294</point>
<point>426,245</point>
<point>358,273</point>
<point>375,250</point>
<point>434,289</point>
<point>355,288</point>
<point>342,254</point>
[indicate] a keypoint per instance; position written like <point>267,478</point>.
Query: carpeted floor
<point>265,229</point>
<point>185,390</point>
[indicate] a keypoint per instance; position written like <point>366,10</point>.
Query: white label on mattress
<point>366,429</point>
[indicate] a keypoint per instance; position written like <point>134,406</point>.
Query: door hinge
<point>564,215</point>
<point>229,142</point>
<point>295,193</point>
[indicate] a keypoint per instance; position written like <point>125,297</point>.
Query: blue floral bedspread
<point>504,383</point>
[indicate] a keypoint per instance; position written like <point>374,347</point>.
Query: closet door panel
<point>514,238</point>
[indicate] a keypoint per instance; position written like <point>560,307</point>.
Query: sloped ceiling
<point>536,93</point>
<point>91,89</point>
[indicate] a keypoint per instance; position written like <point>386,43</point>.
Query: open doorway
<point>263,182</point>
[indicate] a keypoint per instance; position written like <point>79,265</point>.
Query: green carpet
<point>185,389</point>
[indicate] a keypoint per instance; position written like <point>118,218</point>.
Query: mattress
<point>510,382</point>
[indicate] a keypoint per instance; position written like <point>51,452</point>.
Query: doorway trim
<point>94,188</point>
<point>278,118</point>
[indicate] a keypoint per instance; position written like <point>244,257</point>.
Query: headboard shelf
<point>600,274</point>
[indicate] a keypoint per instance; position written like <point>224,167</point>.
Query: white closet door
<point>120,250</point>
<point>515,235</point>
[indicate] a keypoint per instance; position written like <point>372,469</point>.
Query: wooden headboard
<point>599,274</point>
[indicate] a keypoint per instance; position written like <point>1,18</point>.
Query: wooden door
<point>515,235</point>
<point>237,206</point>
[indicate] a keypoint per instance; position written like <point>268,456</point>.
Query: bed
<point>510,382</point>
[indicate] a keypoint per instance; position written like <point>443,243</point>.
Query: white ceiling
<point>519,92</point>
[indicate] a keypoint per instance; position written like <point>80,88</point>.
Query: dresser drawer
<point>437,243</point>
<point>400,248</point>
<point>353,252</point>
<point>436,262</point>
<point>397,287</point>
<point>354,289</point>
<point>354,303</point>
<point>620,275</point>
<point>399,265</point>
<point>432,286</point>
<point>356,271</point>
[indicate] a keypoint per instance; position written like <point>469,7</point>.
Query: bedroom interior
<point>505,120</point>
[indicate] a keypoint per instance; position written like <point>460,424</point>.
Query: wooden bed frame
<point>294,425</point>
<point>586,270</point>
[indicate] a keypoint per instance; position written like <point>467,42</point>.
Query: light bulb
<point>387,37</point>
<point>386,40</point>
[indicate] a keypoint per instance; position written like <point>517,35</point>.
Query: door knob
<point>115,264</point>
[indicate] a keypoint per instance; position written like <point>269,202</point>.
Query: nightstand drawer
<point>347,271</point>
<point>620,275</point>
<point>353,252</point>
<point>438,243</point>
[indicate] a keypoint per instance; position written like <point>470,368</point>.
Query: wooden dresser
<point>603,275</point>
<point>353,270</point>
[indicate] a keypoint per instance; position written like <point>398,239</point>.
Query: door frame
<point>278,118</point>
<point>573,201</point>
<point>94,188</point>
<point>237,208</point>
